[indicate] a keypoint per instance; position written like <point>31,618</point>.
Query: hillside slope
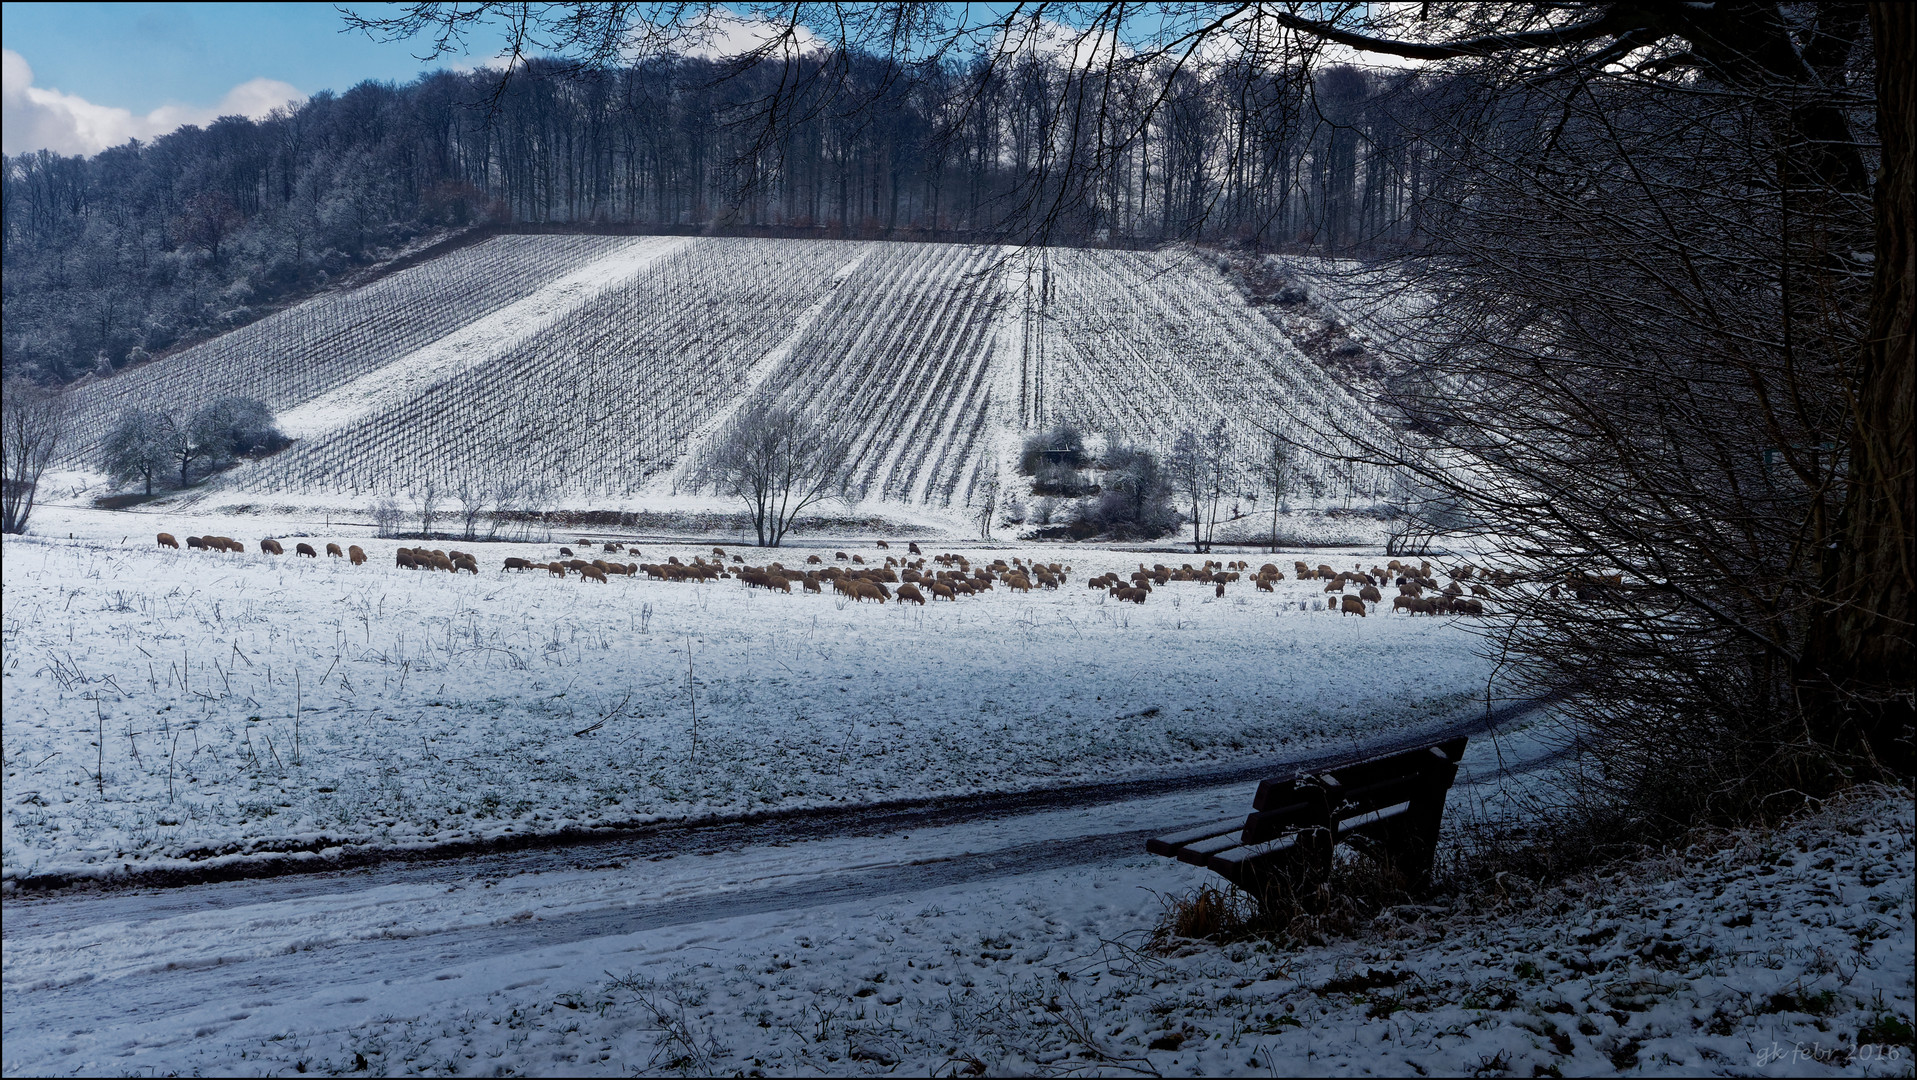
<point>593,369</point>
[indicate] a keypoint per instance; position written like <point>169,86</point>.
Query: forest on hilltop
<point>116,257</point>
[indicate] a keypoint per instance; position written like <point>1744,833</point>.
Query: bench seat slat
<point>1197,852</point>
<point>1169,845</point>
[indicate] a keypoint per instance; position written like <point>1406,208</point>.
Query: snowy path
<point>155,968</point>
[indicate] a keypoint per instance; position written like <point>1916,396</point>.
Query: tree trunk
<point>1863,653</point>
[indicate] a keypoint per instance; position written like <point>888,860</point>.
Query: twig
<point>692,693</point>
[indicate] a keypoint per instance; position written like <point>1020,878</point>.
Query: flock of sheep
<point>952,576</point>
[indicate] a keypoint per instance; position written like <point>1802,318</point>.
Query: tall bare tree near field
<point>780,462</point>
<point>33,421</point>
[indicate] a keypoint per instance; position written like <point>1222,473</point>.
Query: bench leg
<point>1292,878</point>
<point>1411,841</point>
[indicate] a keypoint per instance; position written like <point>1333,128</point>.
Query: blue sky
<point>142,56</point>
<point>83,77</point>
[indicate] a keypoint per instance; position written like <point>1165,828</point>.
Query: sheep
<point>355,555</point>
<point>719,552</point>
<point>236,547</point>
<point>841,556</point>
<point>566,551</point>
<point>628,569</point>
<point>813,560</point>
<point>1136,596</point>
<point>866,590</point>
<point>468,564</point>
<point>333,552</point>
<point>1371,593</point>
<point>1019,582</point>
<point>911,593</point>
<point>306,550</point>
<point>1406,604</point>
<point>166,540</point>
<point>403,559</point>
<point>1467,607</point>
<point>557,569</point>
<point>1219,590</point>
<point>883,544</point>
<point>941,589</point>
<point>578,564</point>
<point>272,547</point>
<point>858,559</point>
<point>1336,584</point>
<point>194,542</point>
<point>514,562</point>
<point>1351,604</point>
<point>600,564</point>
<point>1263,583</point>
<point>914,548</point>
<point>1479,590</point>
<point>589,571</point>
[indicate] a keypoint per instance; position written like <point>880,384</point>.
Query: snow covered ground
<point>167,708</point>
<point>951,951</point>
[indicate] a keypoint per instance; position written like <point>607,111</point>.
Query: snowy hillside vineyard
<point>592,369</point>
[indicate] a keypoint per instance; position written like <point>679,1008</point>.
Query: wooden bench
<point>1390,805</point>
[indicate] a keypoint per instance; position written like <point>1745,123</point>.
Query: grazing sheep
<point>866,590</point>
<point>1136,596</point>
<point>859,559</point>
<point>195,542</point>
<point>1336,584</point>
<point>567,552</point>
<point>841,556</point>
<point>468,564</point>
<point>333,552</point>
<point>355,555</point>
<point>306,550</point>
<point>1467,607</point>
<point>1479,590</point>
<point>1263,583</point>
<point>578,564</point>
<point>719,552</point>
<point>811,584</point>
<point>1351,604</point>
<point>557,569</point>
<point>1218,590</point>
<point>236,547</point>
<point>941,589</point>
<point>166,540</point>
<point>883,544</point>
<point>914,548</point>
<point>911,592</point>
<point>272,547</point>
<point>403,559</point>
<point>1019,582</point>
<point>590,572</point>
<point>1371,593</point>
<point>1406,604</point>
<point>513,562</point>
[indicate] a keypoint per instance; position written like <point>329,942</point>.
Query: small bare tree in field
<point>426,495</point>
<point>987,505</point>
<point>780,461</point>
<point>1200,468</point>
<point>32,422</point>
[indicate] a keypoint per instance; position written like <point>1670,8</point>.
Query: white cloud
<point>39,118</point>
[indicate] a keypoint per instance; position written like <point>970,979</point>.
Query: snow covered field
<point>168,707</point>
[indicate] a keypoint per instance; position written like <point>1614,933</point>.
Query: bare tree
<point>1201,468</point>
<point>780,462</point>
<point>387,515</point>
<point>426,495</point>
<point>1274,476</point>
<point>987,504</point>
<point>473,494</point>
<point>33,421</point>
<point>138,446</point>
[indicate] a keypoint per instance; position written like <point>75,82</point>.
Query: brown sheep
<point>403,559</point>
<point>914,548</point>
<point>578,564</point>
<point>592,572</point>
<point>859,559</point>
<point>719,552</point>
<point>1467,607</point>
<point>911,593</point>
<point>468,564</point>
<point>883,544</point>
<point>166,540</point>
<point>1371,593</point>
<point>1351,604</point>
<point>811,584</point>
<point>1136,596</point>
<point>1479,590</point>
<point>866,590</point>
<point>1218,590</point>
<point>1263,583</point>
<point>628,569</point>
<point>195,542</point>
<point>841,556</point>
<point>1336,584</point>
<point>235,546</point>
<point>333,552</point>
<point>306,550</point>
<point>1406,604</point>
<point>272,547</point>
<point>513,562</point>
<point>941,589</point>
<point>600,564</point>
<point>354,554</point>
<point>1019,582</point>
<point>441,562</point>
<point>557,569</point>
<point>567,552</point>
